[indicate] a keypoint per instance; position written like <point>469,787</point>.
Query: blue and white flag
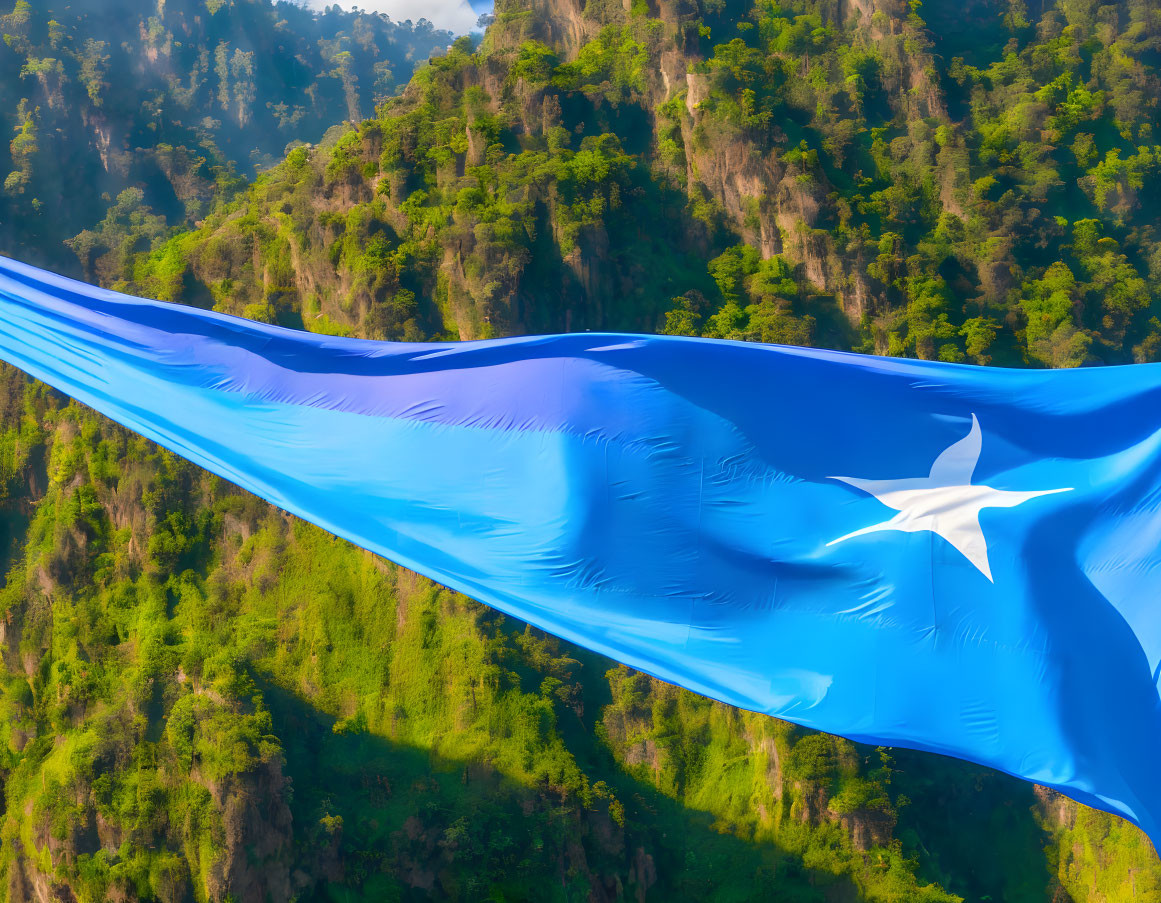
<point>942,557</point>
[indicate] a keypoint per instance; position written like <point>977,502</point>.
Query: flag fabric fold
<point>949,558</point>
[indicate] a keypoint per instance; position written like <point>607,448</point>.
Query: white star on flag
<point>945,501</point>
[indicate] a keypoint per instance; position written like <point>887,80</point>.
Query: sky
<point>456,15</point>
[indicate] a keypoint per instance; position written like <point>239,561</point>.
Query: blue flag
<point>948,558</point>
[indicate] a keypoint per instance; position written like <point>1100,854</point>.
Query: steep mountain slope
<point>205,698</point>
<point>864,191</point>
<point>174,101</point>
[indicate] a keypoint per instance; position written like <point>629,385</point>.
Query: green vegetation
<point>847,187</point>
<point>177,101</point>
<point>205,699</point>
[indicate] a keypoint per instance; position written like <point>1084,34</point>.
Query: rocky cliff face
<point>581,167</point>
<point>638,87</point>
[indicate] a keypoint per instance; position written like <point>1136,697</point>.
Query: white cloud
<point>456,15</point>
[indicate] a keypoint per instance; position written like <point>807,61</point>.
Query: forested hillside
<point>206,699</point>
<point>136,116</point>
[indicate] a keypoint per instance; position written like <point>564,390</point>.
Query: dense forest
<point>206,699</point>
<point>127,120</point>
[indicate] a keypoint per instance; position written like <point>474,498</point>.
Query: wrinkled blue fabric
<point>708,512</point>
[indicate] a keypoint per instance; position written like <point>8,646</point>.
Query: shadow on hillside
<point>973,829</point>
<point>16,513</point>
<point>415,826</point>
